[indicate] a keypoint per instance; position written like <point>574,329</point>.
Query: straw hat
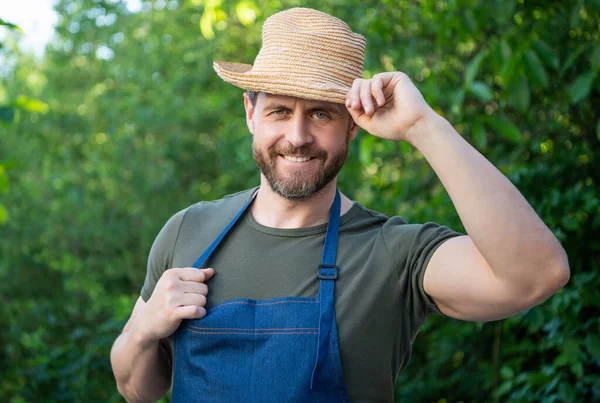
<point>305,53</point>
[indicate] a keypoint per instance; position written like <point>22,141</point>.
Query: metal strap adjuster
<point>328,272</point>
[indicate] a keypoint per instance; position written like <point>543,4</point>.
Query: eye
<point>321,115</point>
<point>278,112</point>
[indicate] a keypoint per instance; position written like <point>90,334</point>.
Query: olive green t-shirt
<point>379,299</point>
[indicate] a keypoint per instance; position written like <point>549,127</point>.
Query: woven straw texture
<point>305,53</point>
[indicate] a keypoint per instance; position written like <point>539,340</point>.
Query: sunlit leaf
<point>3,180</point>
<point>505,127</point>
<point>246,12</point>
<point>581,86</point>
<point>206,21</point>
<point>535,70</point>
<point>31,105</point>
<point>3,214</point>
<point>10,25</point>
<point>598,129</point>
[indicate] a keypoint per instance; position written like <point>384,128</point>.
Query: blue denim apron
<point>276,350</point>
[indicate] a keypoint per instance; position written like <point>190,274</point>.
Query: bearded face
<point>299,145</point>
<point>298,173</point>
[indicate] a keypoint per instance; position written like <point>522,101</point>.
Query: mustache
<point>303,151</point>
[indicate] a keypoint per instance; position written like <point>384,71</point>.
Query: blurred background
<point>112,119</point>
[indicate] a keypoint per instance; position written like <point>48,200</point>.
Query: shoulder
<point>227,207</point>
<point>362,218</point>
<point>401,238</point>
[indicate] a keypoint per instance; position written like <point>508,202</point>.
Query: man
<point>313,297</point>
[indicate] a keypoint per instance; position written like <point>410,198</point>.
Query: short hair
<point>252,95</point>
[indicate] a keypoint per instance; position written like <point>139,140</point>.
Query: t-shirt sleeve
<point>411,247</point>
<point>161,253</point>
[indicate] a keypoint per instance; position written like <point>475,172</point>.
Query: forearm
<point>503,226</point>
<point>141,369</point>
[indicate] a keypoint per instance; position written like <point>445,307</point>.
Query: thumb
<point>208,273</point>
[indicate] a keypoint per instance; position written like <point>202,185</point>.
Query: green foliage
<point>124,122</point>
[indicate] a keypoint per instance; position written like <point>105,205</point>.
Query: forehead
<point>268,100</point>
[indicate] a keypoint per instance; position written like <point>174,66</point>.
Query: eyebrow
<point>319,107</point>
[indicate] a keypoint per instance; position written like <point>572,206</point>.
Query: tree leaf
<point>31,105</point>
<point>246,12</point>
<point>581,86</point>
<point>596,58</point>
<point>505,127</point>
<point>592,343</point>
<point>7,114</point>
<point>10,25</point>
<point>3,180</point>
<point>507,372</point>
<point>535,70</point>
<point>520,94</point>
<point>479,135</point>
<point>365,150</point>
<point>482,91</point>
<point>574,19</point>
<point>598,129</point>
<point>546,53</point>
<point>208,18</point>
<point>573,58</point>
<point>566,392</point>
<point>3,214</point>
<point>473,67</point>
<point>511,67</point>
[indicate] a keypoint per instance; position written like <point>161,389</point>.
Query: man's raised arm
<point>510,261</point>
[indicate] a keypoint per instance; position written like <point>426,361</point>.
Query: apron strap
<point>327,273</point>
<point>204,257</point>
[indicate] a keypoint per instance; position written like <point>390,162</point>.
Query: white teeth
<point>296,159</point>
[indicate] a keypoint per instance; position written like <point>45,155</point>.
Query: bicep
<point>463,286</point>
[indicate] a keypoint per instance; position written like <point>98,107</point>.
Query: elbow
<point>555,275</point>
<point>560,272</point>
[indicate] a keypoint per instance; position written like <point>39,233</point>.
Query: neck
<point>273,210</point>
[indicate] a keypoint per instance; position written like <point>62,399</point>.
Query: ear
<point>353,128</point>
<point>249,113</point>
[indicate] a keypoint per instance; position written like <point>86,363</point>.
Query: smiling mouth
<point>296,159</point>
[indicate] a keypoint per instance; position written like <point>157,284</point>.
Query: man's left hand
<point>387,105</point>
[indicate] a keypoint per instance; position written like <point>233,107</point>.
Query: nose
<point>298,133</point>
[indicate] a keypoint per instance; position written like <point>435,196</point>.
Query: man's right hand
<point>179,294</point>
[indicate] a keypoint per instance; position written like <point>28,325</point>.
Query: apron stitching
<point>259,329</point>
<point>268,303</point>
<point>337,381</point>
<point>195,331</point>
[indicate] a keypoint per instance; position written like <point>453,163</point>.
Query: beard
<point>299,185</point>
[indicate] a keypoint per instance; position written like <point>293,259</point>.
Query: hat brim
<point>242,76</point>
